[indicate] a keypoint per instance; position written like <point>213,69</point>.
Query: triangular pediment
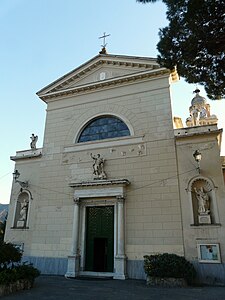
<point>101,73</point>
<point>101,68</point>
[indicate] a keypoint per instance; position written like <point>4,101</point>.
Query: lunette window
<point>105,127</point>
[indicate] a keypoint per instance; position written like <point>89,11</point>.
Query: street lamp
<point>197,156</point>
<point>23,184</point>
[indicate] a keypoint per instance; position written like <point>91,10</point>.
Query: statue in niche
<point>23,210</point>
<point>98,167</point>
<point>33,143</point>
<point>203,201</point>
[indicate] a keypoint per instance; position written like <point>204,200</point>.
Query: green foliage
<point>27,271</point>
<point>7,276</point>
<point>17,273</point>
<point>11,268</point>
<point>168,265</point>
<point>8,254</point>
<point>194,42</point>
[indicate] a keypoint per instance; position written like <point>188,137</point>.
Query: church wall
<point>152,208</point>
<point>29,170</point>
<point>210,171</point>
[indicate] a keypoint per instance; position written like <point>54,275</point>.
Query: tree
<point>194,42</point>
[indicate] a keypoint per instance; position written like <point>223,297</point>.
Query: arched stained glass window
<point>105,127</point>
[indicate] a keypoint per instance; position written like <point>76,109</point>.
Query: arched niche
<point>22,210</point>
<point>207,186</point>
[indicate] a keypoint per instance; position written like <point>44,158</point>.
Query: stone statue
<point>203,201</point>
<point>98,167</point>
<point>195,116</point>
<point>34,139</point>
<point>23,210</point>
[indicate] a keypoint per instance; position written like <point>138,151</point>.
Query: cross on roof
<point>103,37</point>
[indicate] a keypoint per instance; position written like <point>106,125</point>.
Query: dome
<point>198,100</point>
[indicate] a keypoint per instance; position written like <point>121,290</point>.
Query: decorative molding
<point>118,149</point>
<point>97,183</point>
<point>120,199</point>
<point>214,225</point>
<point>112,82</point>
<point>100,189</point>
<point>25,154</point>
<point>203,130</point>
<point>210,184</point>
<point>122,141</point>
<point>76,200</point>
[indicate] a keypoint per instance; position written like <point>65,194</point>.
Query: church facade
<point>114,180</point>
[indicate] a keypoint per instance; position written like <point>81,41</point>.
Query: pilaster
<point>74,258</point>
<point>120,258</point>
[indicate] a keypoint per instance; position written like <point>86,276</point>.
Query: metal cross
<point>103,37</point>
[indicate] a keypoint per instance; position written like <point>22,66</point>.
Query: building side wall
<point>210,169</point>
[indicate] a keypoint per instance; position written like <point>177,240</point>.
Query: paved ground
<point>58,287</point>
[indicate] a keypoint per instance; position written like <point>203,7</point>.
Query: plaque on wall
<point>209,253</point>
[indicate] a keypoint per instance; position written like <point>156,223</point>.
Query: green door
<point>100,239</point>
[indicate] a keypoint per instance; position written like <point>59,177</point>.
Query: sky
<point>42,40</point>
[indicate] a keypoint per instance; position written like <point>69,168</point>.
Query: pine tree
<point>194,42</point>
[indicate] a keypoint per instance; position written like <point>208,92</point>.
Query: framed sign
<point>209,253</point>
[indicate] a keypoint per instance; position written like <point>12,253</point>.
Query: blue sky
<point>41,40</point>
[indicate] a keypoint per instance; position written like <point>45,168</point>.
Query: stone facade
<point>202,229</point>
<point>146,182</point>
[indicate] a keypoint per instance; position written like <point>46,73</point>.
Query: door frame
<point>83,233</point>
<point>98,193</point>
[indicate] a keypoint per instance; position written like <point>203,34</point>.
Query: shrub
<point>11,269</point>
<point>27,271</point>
<point>169,265</point>
<point>8,255</point>
<point>17,273</point>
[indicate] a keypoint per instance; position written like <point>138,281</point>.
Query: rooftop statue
<point>34,139</point>
<point>200,112</point>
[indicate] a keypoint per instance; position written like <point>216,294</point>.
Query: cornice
<point>185,134</point>
<point>112,82</point>
<point>95,183</point>
<point>27,154</point>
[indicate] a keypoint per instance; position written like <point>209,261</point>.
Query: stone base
<point>204,219</point>
<point>166,282</point>
<point>120,267</point>
<point>73,266</point>
<point>19,285</point>
<point>20,224</point>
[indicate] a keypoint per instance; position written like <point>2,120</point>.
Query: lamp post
<point>23,184</point>
<point>197,156</point>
